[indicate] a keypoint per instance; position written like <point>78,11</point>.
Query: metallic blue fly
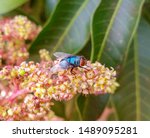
<point>67,61</point>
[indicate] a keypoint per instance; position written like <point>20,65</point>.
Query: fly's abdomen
<point>74,60</point>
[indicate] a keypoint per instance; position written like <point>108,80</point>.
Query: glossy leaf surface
<point>131,101</point>
<point>114,25</point>
<point>8,5</point>
<point>68,27</point>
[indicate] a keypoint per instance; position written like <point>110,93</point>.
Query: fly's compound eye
<point>83,61</point>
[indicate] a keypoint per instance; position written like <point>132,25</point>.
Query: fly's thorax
<point>73,60</point>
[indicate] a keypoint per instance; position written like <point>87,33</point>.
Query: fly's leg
<point>84,68</point>
<point>72,72</point>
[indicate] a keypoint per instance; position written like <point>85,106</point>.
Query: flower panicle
<point>38,79</point>
<point>31,108</point>
<point>19,28</point>
<point>30,87</point>
<point>15,36</point>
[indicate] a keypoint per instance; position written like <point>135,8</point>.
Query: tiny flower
<point>21,72</point>
<point>84,85</point>
<point>10,112</point>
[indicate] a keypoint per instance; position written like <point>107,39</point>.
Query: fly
<point>68,61</point>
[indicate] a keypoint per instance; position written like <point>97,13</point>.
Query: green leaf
<point>92,106</point>
<point>131,101</point>
<point>68,28</point>
<point>36,11</point>
<point>72,110</point>
<point>86,48</point>
<point>114,25</point>
<point>50,6</point>
<point>8,5</point>
<point>59,108</point>
<point>146,11</point>
<point>83,108</point>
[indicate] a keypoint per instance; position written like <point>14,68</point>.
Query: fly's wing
<point>62,65</point>
<point>56,68</point>
<point>61,55</point>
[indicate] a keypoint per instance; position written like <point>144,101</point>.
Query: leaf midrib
<point>108,30</point>
<point>69,26</point>
<point>136,65</point>
<point>133,33</point>
<point>137,80</point>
